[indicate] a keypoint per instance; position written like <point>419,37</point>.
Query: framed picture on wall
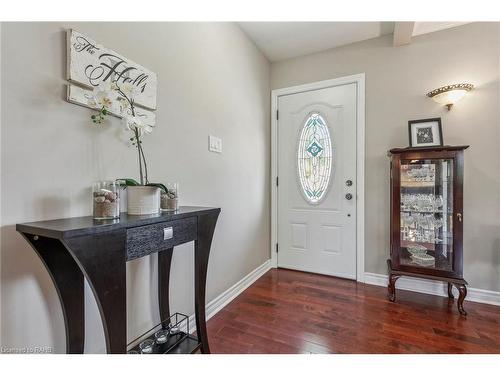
<point>425,133</point>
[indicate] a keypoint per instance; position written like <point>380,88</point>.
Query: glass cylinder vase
<point>169,200</point>
<point>106,200</point>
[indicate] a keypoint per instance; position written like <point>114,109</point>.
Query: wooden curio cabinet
<point>427,216</point>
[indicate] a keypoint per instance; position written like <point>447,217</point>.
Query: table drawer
<point>148,239</point>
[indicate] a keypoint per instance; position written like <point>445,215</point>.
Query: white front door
<point>317,181</point>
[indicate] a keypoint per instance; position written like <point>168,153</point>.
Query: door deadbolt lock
<point>348,182</point>
<point>348,196</point>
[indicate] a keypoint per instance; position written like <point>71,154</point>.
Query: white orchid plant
<point>103,97</point>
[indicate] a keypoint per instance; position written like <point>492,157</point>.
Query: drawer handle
<point>168,233</point>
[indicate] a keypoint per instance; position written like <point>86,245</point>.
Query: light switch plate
<point>214,144</point>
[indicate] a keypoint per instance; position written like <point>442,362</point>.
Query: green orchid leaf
<point>158,185</point>
<point>127,182</point>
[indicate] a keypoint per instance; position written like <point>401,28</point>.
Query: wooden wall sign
<point>80,96</point>
<point>89,64</point>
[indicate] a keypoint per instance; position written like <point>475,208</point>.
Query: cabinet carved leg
<point>392,287</point>
<point>462,289</point>
<point>450,291</point>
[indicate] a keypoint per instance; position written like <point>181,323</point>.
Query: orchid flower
<point>124,105</point>
<point>124,94</point>
<point>130,90</point>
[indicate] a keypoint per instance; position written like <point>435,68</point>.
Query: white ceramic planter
<point>143,200</point>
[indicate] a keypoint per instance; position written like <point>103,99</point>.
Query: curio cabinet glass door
<point>426,210</point>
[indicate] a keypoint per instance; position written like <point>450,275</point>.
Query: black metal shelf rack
<point>180,342</point>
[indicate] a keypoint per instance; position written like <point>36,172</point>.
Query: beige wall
<point>396,80</point>
<point>212,80</point>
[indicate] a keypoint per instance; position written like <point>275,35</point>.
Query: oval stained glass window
<point>314,158</point>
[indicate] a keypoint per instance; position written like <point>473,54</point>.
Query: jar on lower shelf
<point>106,200</point>
<point>169,200</point>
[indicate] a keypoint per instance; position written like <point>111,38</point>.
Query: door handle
<point>348,182</point>
<point>348,196</point>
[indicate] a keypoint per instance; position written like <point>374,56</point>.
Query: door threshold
<point>348,278</point>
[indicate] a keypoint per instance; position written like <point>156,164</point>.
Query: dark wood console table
<point>76,248</point>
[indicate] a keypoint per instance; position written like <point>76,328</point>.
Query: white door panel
<point>316,223</point>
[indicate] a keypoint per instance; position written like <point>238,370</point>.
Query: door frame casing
<point>359,80</point>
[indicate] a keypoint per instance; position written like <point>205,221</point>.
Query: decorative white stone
<point>110,196</point>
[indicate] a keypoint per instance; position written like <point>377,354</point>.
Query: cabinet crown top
<point>429,148</point>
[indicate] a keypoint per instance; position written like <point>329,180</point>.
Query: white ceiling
<point>284,40</point>
<point>429,27</point>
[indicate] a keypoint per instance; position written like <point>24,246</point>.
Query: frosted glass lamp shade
<point>449,95</point>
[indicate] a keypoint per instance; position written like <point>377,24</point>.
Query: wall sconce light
<point>449,95</point>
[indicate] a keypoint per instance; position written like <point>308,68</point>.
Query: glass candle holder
<point>106,200</point>
<point>175,329</point>
<point>147,346</point>
<point>169,199</point>
<point>162,336</point>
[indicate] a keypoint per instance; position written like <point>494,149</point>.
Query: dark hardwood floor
<point>294,312</point>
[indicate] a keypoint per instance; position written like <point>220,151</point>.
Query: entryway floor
<point>295,312</point>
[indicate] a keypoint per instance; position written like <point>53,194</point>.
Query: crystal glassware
<point>106,200</point>
<point>439,201</point>
<point>417,249</point>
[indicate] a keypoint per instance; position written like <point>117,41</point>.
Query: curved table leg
<point>68,281</point>
<point>450,291</point>
<point>206,227</point>
<point>164,262</point>
<point>102,259</point>
<point>392,287</point>
<point>462,289</point>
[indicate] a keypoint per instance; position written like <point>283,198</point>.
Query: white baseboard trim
<point>437,288</point>
<point>219,302</point>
